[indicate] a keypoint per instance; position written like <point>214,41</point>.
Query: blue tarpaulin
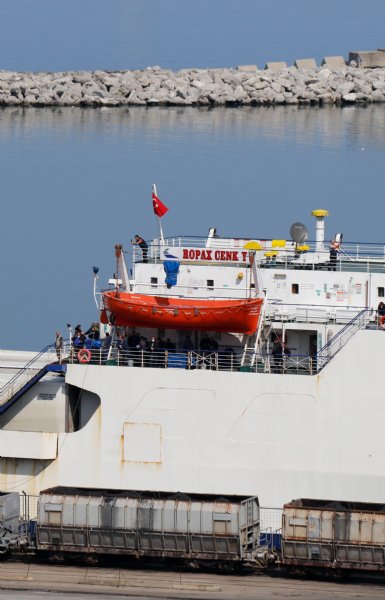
<point>171,267</point>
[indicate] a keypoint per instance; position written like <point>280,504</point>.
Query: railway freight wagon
<point>148,524</point>
<point>325,534</point>
<point>10,534</point>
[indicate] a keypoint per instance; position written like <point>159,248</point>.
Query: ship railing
<point>278,311</point>
<point>221,360</point>
<point>226,360</point>
<point>362,256</point>
<point>295,364</point>
<point>161,289</point>
<point>365,263</point>
<point>43,358</point>
<point>338,341</point>
<point>352,250</point>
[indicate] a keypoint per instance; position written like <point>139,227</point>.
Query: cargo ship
<point>282,400</point>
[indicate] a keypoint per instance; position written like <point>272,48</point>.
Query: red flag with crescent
<point>160,209</point>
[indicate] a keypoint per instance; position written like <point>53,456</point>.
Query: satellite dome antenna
<point>298,233</point>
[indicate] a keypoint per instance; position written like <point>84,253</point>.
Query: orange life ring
<point>84,356</point>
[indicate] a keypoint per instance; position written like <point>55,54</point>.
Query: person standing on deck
<point>59,345</point>
<point>333,249</point>
<point>381,314</point>
<point>139,241</point>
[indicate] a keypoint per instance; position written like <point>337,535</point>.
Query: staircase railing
<point>338,341</point>
<point>25,374</point>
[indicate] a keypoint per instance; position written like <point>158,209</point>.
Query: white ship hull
<point>272,435</point>
<point>316,433</point>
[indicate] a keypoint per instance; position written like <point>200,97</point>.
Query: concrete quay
<point>332,83</point>
<point>20,581</point>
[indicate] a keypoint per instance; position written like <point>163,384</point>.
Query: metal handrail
<point>338,341</point>
<point>349,250</point>
<point>192,360</point>
<point>352,256</point>
<point>276,310</point>
<point>22,376</point>
<point>354,247</point>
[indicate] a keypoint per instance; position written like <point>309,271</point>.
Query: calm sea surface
<point>75,181</point>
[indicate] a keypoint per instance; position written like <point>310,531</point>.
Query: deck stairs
<point>324,355</point>
<point>334,345</point>
<point>44,362</point>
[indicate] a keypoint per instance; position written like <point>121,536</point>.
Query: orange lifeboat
<point>138,310</point>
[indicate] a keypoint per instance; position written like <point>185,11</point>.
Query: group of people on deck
<point>89,340</point>
<point>136,349</point>
<point>136,341</point>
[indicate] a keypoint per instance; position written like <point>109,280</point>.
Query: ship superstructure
<point>234,417</point>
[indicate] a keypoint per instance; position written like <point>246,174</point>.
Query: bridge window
<point>295,288</point>
<point>154,281</point>
<point>380,292</point>
<point>210,284</point>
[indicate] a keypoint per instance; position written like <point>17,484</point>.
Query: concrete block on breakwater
<point>305,63</point>
<point>368,59</point>
<point>247,68</point>
<point>277,65</point>
<point>334,62</point>
<point>245,86</point>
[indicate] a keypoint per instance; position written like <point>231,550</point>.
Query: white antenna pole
<point>96,277</point>
<point>161,236</point>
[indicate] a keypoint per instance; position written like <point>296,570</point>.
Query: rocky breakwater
<point>194,87</point>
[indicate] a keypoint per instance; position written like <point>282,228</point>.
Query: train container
<point>147,524</point>
<point>334,535</point>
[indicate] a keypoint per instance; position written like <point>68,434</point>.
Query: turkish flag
<point>160,209</point>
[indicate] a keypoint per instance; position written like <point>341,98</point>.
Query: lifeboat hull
<point>138,310</point>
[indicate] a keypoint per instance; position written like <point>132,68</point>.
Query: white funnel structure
<point>320,214</point>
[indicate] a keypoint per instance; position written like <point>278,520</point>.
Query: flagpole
<point>161,236</point>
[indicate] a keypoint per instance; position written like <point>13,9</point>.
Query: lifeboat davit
<point>139,310</point>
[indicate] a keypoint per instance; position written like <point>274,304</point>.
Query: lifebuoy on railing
<point>84,356</point>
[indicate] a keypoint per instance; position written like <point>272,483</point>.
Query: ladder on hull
<point>252,342</point>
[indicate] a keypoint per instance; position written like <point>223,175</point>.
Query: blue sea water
<point>133,34</point>
<point>76,181</point>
